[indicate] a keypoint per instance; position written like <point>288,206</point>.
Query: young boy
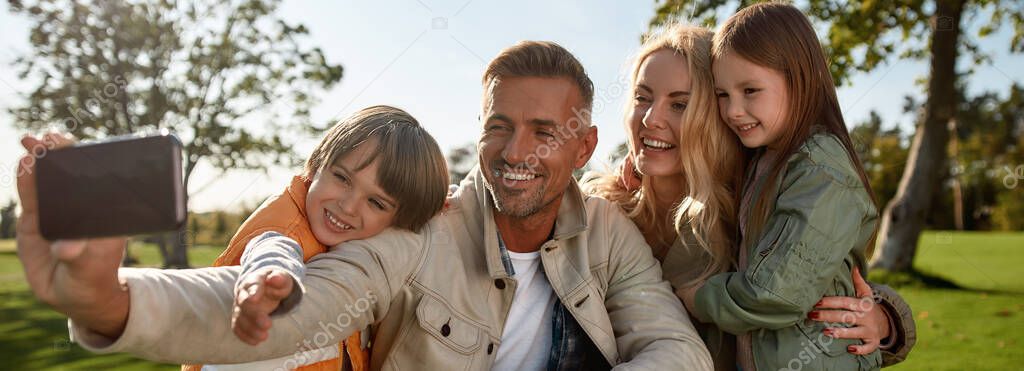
<point>373,170</point>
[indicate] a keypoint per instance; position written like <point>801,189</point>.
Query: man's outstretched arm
<point>183,316</point>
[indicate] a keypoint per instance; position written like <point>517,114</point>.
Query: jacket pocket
<point>437,336</point>
<point>443,324</point>
<point>757,258</point>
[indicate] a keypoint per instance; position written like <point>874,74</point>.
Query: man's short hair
<point>540,59</point>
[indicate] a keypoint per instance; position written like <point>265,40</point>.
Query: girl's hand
<point>259,294</point>
<point>629,178</point>
<point>869,322</point>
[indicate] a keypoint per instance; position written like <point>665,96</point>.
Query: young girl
<point>681,174</point>
<point>806,214</point>
<point>373,170</point>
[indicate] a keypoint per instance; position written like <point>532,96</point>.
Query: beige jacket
<point>438,298</point>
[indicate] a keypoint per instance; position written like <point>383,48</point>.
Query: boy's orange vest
<point>286,214</point>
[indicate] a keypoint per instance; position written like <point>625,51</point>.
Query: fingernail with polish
<point>829,332</point>
<point>851,349</point>
<point>813,315</point>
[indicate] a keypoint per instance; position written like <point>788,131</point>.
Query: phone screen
<point>124,186</point>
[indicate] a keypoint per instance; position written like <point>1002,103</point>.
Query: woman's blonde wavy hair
<point>710,156</point>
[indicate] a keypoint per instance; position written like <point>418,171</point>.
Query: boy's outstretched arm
<point>272,265</point>
<point>257,296</point>
<point>184,316</point>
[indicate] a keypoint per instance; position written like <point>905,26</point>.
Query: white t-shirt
<point>526,340</point>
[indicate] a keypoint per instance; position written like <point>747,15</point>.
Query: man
<point>522,271</point>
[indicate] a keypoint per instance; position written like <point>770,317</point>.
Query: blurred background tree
<point>8,219</point>
<point>226,76</point>
<point>460,161</point>
<point>862,35</point>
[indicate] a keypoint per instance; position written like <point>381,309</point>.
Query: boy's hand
<point>258,295</point>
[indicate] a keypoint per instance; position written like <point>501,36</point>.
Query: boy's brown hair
<point>411,168</point>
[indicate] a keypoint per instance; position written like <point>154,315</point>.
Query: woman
<point>679,185</point>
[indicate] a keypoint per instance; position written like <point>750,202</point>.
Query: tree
<point>863,35</point>
<point>220,224</point>
<point>227,77</point>
<point>460,161</point>
<point>8,219</point>
<point>990,134</point>
<point>882,152</point>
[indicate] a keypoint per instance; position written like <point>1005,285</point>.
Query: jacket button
<point>499,284</point>
<point>445,330</point>
<point>490,348</point>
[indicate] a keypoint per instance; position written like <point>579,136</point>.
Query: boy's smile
<point>345,201</point>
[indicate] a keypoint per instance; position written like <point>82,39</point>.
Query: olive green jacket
<point>817,232</point>
<point>685,260</point>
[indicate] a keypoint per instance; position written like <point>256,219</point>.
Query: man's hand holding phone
<point>77,278</point>
<point>257,295</point>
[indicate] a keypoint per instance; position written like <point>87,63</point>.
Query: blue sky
<point>426,56</point>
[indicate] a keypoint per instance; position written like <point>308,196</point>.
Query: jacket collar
<point>297,190</point>
<point>477,205</point>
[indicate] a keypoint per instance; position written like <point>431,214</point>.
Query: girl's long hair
<point>710,157</point>
<point>778,36</point>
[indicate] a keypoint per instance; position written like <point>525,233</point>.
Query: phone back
<point>120,187</point>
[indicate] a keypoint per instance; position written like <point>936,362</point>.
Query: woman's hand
<point>77,278</point>
<point>868,320</point>
<point>688,295</point>
<point>629,177</point>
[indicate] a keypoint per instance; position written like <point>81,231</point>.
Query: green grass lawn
<point>978,327</point>
<point>33,337</point>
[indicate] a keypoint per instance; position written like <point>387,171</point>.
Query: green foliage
<point>862,35</point>
<point>989,159</point>
<point>8,219</point>
<point>202,69</point>
<point>1008,214</point>
<point>227,77</point>
<point>988,144</point>
<point>883,153</point>
<point>214,228</point>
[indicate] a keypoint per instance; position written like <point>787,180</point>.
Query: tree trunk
<point>904,217</point>
<point>958,187</point>
<point>128,260</point>
<point>175,253</point>
<point>177,256</point>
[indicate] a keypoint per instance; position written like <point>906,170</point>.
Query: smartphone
<point>118,187</point>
